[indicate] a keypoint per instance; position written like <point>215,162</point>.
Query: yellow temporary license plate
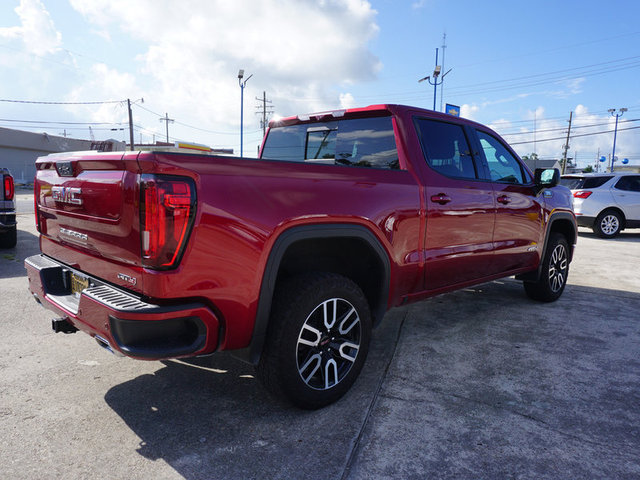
<point>78,283</point>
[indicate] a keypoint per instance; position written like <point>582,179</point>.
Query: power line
<point>61,123</point>
<point>564,128</point>
<point>60,103</point>
<point>574,136</point>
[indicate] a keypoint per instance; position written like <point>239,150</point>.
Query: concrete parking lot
<point>478,384</point>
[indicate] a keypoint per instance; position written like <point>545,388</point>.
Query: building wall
<point>19,150</point>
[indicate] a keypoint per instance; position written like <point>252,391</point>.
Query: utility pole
<point>130,123</point>
<point>615,113</point>
<point>265,110</point>
<point>167,120</point>
<point>566,145</point>
<point>444,46</point>
<point>535,118</point>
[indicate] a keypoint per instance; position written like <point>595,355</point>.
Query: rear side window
<point>504,167</point>
<point>578,183</point>
<point>446,148</point>
<point>629,184</point>
<point>362,142</point>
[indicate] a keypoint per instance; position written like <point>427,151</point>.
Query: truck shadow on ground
<point>210,418</point>
<point>12,259</point>
<point>624,236</point>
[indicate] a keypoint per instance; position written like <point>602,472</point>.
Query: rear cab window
<point>359,142</point>
<point>446,148</point>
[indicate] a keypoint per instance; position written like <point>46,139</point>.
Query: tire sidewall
<point>302,306</point>
<point>556,240</point>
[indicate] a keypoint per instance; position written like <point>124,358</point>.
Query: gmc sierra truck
<point>8,224</point>
<point>291,259</point>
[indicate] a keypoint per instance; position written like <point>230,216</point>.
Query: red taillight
<point>8,187</point>
<point>582,194</point>
<point>167,211</point>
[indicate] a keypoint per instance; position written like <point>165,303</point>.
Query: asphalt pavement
<point>482,383</point>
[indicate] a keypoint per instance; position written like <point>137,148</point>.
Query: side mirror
<point>547,177</point>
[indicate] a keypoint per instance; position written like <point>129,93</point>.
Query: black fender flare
<point>534,275</point>
<point>280,246</point>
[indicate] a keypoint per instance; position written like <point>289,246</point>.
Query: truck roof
<point>371,110</point>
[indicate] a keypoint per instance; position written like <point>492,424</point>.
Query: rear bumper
<point>119,320</point>
<point>7,220</point>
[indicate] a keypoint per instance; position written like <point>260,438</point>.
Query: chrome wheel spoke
<point>354,348</point>
<point>306,329</point>
<point>330,374</point>
<point>348,318</point>
<point>315,362</point>
<point>330,311</point>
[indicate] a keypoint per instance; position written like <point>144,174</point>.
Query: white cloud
<point>302,53</point>
<point>112,85</point>
<point>468,111</point>
<point>36,31</point>
<point>347,100</point>
<point>296,50</point>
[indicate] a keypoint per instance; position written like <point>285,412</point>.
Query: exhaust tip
<point>62,325</point>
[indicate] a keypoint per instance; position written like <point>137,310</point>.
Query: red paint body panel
<point>244,205</point>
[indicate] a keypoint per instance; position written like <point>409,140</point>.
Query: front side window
<point>446,148</point>
<point>360,142</point>
<point>504,167</point>
<point>629,183</point>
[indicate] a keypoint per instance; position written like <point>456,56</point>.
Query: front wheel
<point>317,340</point>
<point>555,269</point>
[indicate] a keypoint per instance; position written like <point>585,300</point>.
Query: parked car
<point>290,259</point>
<point>606,202</point>
<point>8,228</point>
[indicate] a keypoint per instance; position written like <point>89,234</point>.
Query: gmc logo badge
<point>69,195</point>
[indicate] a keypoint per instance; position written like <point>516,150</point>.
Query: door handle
<point>503,199</point>
<point>440,198</point>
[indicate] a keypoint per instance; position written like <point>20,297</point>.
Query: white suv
<point>605,202</point>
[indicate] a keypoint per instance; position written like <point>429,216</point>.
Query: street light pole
<point>613,113</point>
<point>436,73</point>
<point>242,85</point>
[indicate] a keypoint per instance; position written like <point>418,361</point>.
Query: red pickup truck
<point>290,259</point>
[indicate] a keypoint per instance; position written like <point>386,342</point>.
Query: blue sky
<point>520,67</point>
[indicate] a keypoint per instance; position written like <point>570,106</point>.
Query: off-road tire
<point>554,272</point>
<point>317,339</point>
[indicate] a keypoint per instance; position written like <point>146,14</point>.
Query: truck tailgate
<point>87,209</point>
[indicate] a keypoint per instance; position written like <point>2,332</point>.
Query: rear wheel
<point>9,238</point>
<point>317,341</point>
<point>555,269</point>
<point>608,224</point>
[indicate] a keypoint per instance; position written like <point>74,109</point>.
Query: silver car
<point>606,202</point>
